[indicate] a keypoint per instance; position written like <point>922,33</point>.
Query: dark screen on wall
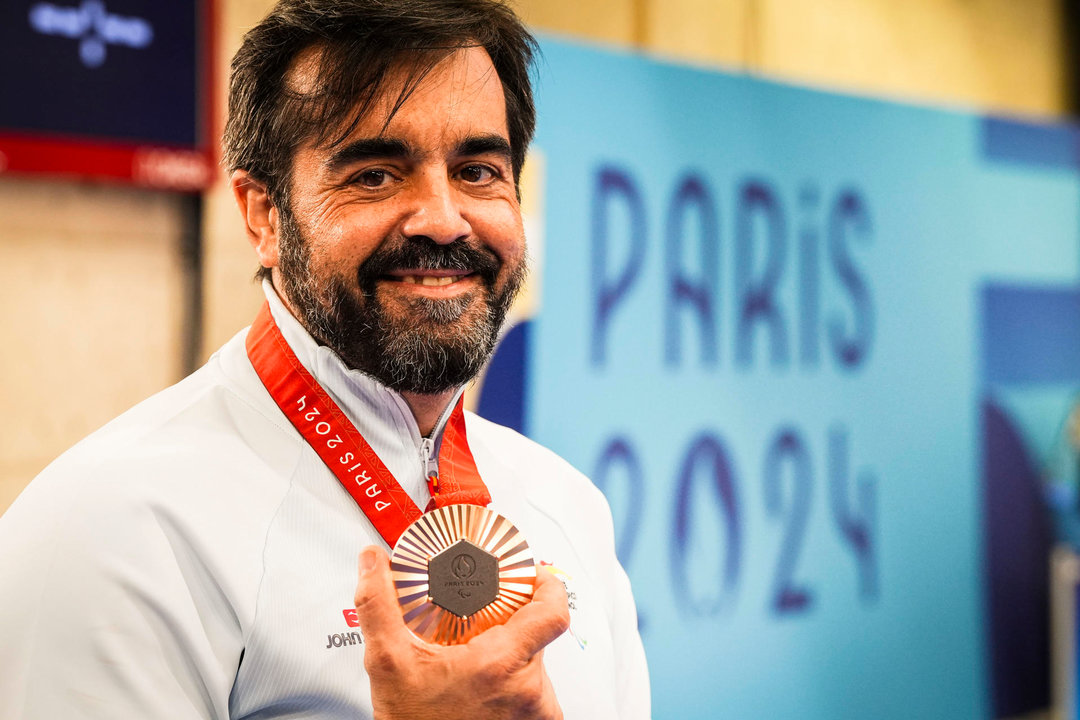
<point>124,70</point>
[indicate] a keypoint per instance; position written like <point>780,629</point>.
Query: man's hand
<point>497,674</point>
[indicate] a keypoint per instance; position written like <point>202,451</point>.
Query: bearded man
<point>197,557</point>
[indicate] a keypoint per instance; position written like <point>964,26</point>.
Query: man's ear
<point>260,216</point>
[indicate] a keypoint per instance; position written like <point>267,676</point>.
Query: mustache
<point>426,254</point>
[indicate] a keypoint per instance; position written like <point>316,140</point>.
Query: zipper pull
<point>431,472</point>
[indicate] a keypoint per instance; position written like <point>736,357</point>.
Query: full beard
<point>420,345</point>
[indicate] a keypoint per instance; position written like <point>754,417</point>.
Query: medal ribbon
<point>343,448</point>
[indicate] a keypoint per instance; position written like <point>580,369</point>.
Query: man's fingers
<point>549,588</point>
<point>377,608</point>
<point>539,622</point>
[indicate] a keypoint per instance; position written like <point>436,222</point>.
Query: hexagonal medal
<point>459,570</point>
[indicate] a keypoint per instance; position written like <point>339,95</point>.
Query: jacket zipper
<point>431,470</point>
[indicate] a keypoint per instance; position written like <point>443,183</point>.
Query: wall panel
<point>91,291</point>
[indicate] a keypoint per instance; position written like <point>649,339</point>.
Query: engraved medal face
<point>459,570</point>
<point>463,579</point>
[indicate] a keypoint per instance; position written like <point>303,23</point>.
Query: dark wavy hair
<point>359,43</point>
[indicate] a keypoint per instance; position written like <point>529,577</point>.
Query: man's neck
<point>427,409</point>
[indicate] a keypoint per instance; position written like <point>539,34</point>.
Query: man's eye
<point>372,178</point>
<point>476,173</point>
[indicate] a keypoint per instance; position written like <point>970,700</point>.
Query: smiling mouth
<point>429,279</point>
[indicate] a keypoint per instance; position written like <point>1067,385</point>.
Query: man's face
<point>403,245</point>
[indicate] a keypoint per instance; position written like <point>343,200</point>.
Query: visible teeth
<point>430,281</point>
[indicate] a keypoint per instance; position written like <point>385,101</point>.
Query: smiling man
<point>197,557</point>
<point>401,247</point>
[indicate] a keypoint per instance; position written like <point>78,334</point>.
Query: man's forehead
<point>449,80</point>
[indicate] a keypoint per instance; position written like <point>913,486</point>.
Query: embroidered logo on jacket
<point>336,640</point>
<point>341,639</point>
<point>572,601</point>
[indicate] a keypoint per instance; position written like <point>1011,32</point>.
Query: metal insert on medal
<point>459,570</point>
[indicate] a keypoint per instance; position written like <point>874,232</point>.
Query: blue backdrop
<point>794,337</point>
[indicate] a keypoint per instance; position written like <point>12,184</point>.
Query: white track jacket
<point>195,558</point>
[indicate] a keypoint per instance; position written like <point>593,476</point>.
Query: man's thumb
<point>377,608</point>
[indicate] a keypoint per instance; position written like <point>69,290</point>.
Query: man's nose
<point>435,213</point>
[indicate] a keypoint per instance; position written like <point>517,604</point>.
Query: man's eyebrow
<point>483,145</point>
<point>366,149</point>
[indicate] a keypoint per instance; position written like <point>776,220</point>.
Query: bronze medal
<point>459,570</point>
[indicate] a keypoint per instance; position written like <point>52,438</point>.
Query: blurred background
<point>124,266</point>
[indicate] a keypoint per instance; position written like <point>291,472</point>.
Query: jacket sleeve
<point>108,610</point>
<point>632,674</point>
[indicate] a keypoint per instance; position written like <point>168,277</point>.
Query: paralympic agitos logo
<point>93,26</point>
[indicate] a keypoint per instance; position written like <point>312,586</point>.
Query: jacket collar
<point>381,415</point>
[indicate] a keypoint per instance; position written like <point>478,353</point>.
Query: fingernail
<point>367,560</point>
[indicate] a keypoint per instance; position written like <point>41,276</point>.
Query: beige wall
<point>91,291</point>
<point>92,286</point>
<point>1005,55</point>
